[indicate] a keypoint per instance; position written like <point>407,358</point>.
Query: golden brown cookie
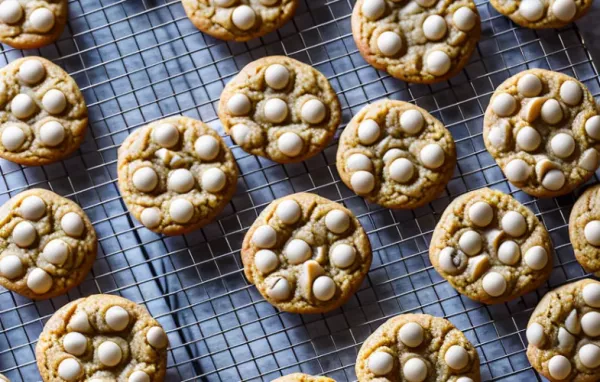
<point>30,24</point>
<point>239,20</point>
<point>102,338</point>
<point>47,244</point>
<point>280,109</point>
<point>563,333</point>
<point>176,175</point>
<point>416,348</point>
<point>490,247</point>
<point>396,154</point>
<point>584,229</point>
<point>306,254</point>
<point>300,377</point>
<point>3,378</point>
<point>543,128</point>
<point>538,14</point>
<point>422,41</point>
<point>43,116</point>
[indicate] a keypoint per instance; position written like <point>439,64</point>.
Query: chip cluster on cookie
<point>415,348</point>
<point>542,13</point>
<point>101,338</point>
<point>306,254</point>
<point>396,154</point>
<point>423,41</point>
<point>47,243</point>
<point>543,129</point>
<point>490,247</point>
<point>281,109</point>
<point>563,333</point>
<point>29,24</point>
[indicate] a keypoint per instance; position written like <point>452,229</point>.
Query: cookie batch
<point>30,24</point>
<point>538,14</point>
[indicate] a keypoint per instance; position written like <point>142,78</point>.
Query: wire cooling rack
<point>140,60</point>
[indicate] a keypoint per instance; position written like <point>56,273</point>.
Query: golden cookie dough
<point>102,338</point>
<point>280,109</point>
<point>490,247</point>
<point>584,229</point>
<point>415,348</point>
<point>422,41</point>
<point>563,333</point>
<point>537,14</point>
<point>239,20</point>
<point>176,175</point>
<point>300,377</point>
<point>47,244</point>
<point>396,154</point>
<point>306,254</point>
<point>43,116</point>
<point>543,130</point>
<point>30,24</point>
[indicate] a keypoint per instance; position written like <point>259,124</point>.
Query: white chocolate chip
<point>434,27</point>
<point>22,106</point>
<point>415,370</point>
<point>373,9</point>
<point>10,11</point>
<point>109,353</point>
<point>117,318</point>
<point>11,267</point>
<point>243,17</point>
<point>288,211</point>
<point>589,159</point>
<point>343,255</point>
<point>456,357</point>
<point>39,281</point>
<point>559,367</point>
<point>32,208</point>
<point>290,144</point>
<point>509,252</point>
<point>389,43</point>
<point>531,10</point>
<point>464,19</point>
<point>239,104</point>
<point>411,121</point>
<point>572,322</point>
<point>145,179</point>
<point>494,284</point>
<point>392,154</point>
<point>157,338</point>
<point>592,127</point>
<point>536,258</point>
<point>181,211</point>
<point>402,170</point>
<point>13,137</point>
<point>358,162</point>
<point>80,322</point>
<point>362,182</point>
<point>75,343</point>
<point>590,323</point>
<point>562,145</point>
<point>276,110</point>
<point>137,376</point>
<point>432,156</point>
<point>69,369</point>
<point>72,224</point>
<point>535,334</point>
<point>54,101</point>
<point>450,260</point>
<point>56,252</point>
<point>324,288</point>
<point>24,234</point>
<point>504,105</point>
<point>207,147</point>
<point>438,63</point>
<point>470,243</point>
<point>564,10</point>
<point>589,355</point>
<point>264,237</point>
<point>52,133</point>
<point>240,133</point>
<point>571,93</point>
<point>528,138</point>
<point>42,20</point>
<point>277,76</point>
<point>369,131</point>
<point>313,111</point>
<point>553,180</point>
<point>279,288</point>
<point>297,251</point>
<point>529,85</point>
<point>481,214</point>
<point>31,71</point>
<point>151,217</point>
<point>464,379</point>
<point>411,334</point>
<point>166,135</point>
<point>380,363</point>
<point>214,180</point>
<point>337,221</point>
<point>565,339</point>
<point>514,224</point>
<point>551,112</point>
<point>266,261</point>
<point>180,180</point>
<point>591,294</point>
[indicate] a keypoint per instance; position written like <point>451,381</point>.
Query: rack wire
<point>140,60</point>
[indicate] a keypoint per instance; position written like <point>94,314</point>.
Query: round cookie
<point>43,116</point>
<point>102,338</point>
<point>584,229</point>
<point>301,377</point>
<point>543,128</point>
<point>280,109</point>
<point>30,24</point>
<point>47,244</point>
<point>176,175</point>
<point>306,254</point>
<point>537,14</point>
<point>396,154</point>
<point>563,333</point>
<point>239,20</point>
<point>422,41</point>
<point>415,348</point>
<point>490,247</point>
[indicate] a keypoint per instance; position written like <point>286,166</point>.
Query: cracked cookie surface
<point>239,20</point>
<point>543,130</point>
<point>301,377</point>
<point>43,116</point>
<point>584,229</point>
<point>47,244</point>
<point>490,247</point>
<point>306,254</point>
<point>422,41</point>
<point>396,154</point>
<point>415,348</point>
<point>102,338</point>
<point>176,175</point>
<point>30,24</point>
<point>280,109</point>
<point>563,333</point>
<point>538,14</point>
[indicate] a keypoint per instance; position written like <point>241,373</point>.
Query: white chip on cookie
<point>276,110</point>
<point>343,255</point>
<point>22,106</point>
<point>438,63</point>
<point>531,10</point>
<point>373,9</point>
<point>117,318</point>
<point>362,182</point>
<point>465,19</point>
<point>369,130</point>
<point>54,101</point>
<point>207,147</point>
<point>11,267</point>
<point>42,20</point>
<point>290,144</point>
<point>434,27</point>
<point>13,137</point>
<point>11,11</point>
<point>69,369</point>
<point>243,17</point>
<point>277,76</point>
<point>39,281</point>
<point>32,71</point>
<point>181,211</point>
<point>529,85</point>
<point>52,133</point>
<point>389,43</point>
<point>432,156</point>
<point>313,111</point>
<point>380,363</point>
<point>337,221</point>
<point>289,211</point>
<point>415,370</point>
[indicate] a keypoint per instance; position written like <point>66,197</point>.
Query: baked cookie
<point>422,41</point>
<point>396,154</point>
<point>239,20</point>
<point>47,244</point>
<point>280,109</point>
<point>584,229</point>
<point>306,254</point>
<point>102,338</point>
<point>563,333</point>
<point>30,24</point>
<point>490,247</point>
<point>176,175</point>
<point>3,378</point>
<point>542,128</point>
<point>300,377</point>
<point>538,14</point>
<point>415,348</point>
<point>43,116</point>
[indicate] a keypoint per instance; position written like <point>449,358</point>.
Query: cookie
<point>306,254</point>
<point>537,14</point>
<point>563,333</point>
<point>490,247</point>
<point>584,229</point>
<point>3,378</point>
<point>396,154</point>
<point>300,377</point>
<point>176,175</point>
<point>31,24</point>
<point>422,41</point>
<point>280,109</point>
<point>239,20</point>
<point>543,128</point>
<point>102,338</point>
<point>415,348</point>
<point>47,244</point>
<point>43,116</point>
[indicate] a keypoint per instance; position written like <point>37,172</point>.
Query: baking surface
<point>137,61</point>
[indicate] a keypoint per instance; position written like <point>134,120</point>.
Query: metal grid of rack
<point>140,60</point>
